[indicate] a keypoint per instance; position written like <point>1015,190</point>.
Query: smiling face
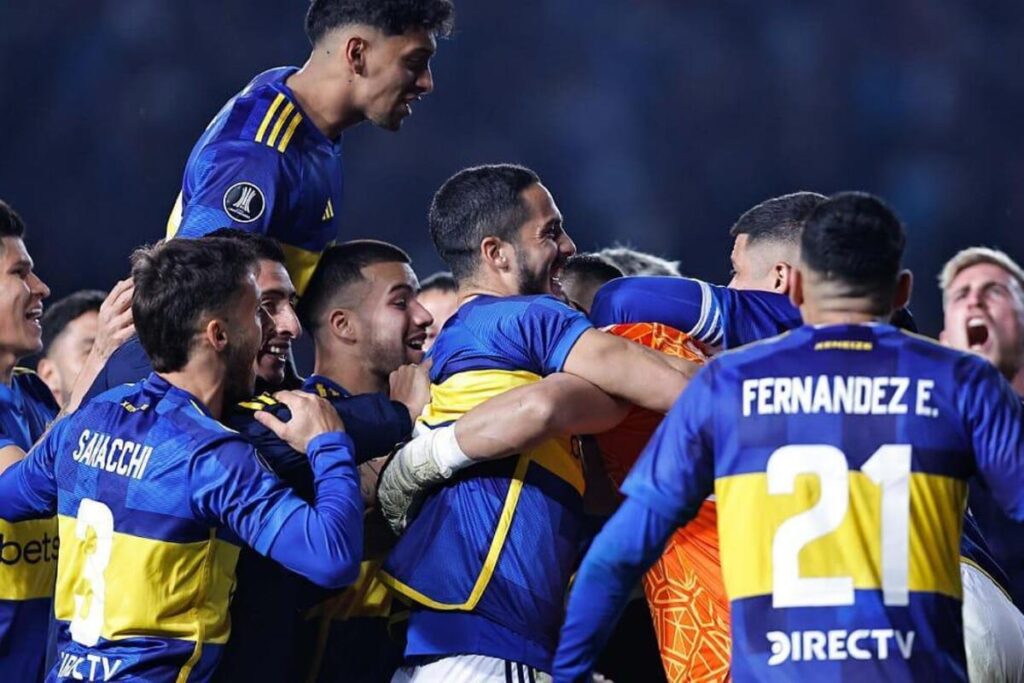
<point>243,318</point>
<point>542,246</point>
<point>21,301</point>
<point>396,74</point>
<point>984,314</point>
<point>390,323</point>
<point>277,298</point>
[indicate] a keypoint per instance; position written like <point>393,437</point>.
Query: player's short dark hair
<point>441,281</point>
<point>590,267</point>
<point>855,239</point>
<point>635,262</point>
<point>393,17</point>
<point>474,204</point>
<point>340,266</point>
<point>180,282</point>
<point>59,314</point>
<point>11,224</point>
<point>779,219</point>
<point>266,248</point>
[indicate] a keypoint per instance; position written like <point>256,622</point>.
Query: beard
<point>531,283</point>
<point>240,382</point>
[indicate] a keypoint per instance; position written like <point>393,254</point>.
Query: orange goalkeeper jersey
<point>684,588</point>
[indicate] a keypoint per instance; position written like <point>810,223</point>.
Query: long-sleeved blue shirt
<point>154,498</point>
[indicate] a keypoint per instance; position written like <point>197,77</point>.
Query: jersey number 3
<point>94,520</point>
<point>889,468</point>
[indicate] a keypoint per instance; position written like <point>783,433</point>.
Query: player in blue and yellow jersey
<point>271,160</point>
<point>28,548</point>
<point>487,558</point>
<point>839,455</point>
<point>361,309</point>
<point>154,496</point>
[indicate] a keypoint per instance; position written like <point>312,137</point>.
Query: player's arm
<point>629,371</point>
<point>10,453</point>
<point>28,486</point>
<point>665,489</point>
<point>515,420</point>
<point>994,417</point>
<point>683,303</point>
<point>322,541</point>
<point>238,184</point>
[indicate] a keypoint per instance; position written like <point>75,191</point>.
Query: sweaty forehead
<point>980,274</point>
<point>273,277</point>
<point>389,275</point>
<point>541,204</point>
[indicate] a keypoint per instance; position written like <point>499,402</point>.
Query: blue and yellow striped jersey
<point>153,499</point>
<point>28,549</point>
<point>839,456</point>
<point>262,165</point>
<point>487,559</point>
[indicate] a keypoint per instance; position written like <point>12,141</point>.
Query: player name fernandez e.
<point>836,394</point>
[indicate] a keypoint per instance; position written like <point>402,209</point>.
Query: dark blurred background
<point>654,122</point>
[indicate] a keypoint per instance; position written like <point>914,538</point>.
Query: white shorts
<point>993,630</point>
<point>469,669</point>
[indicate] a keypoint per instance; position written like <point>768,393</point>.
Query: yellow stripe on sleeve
<point>276,130</point>
<point>289,132</point>
<point>268,116</point>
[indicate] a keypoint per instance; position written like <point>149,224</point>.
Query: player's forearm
<point>630,542</point>
<point>10,455</point>
<point>643,377</point>
<point>324,541</point>
<point>18,498</point>
<point>558,405</point>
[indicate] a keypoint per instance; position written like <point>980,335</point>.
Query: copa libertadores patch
<point>244,202</point>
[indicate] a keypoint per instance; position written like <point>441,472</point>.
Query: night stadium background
<point>654,122</point>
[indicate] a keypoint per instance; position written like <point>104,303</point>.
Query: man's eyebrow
<point>400,285</point>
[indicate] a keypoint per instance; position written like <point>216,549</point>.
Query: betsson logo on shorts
<point>839,644</point>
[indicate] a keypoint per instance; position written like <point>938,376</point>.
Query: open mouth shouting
<point>414,346</point>
<point>277,349</point>
<point>34,316</point>
<point>978,336</point>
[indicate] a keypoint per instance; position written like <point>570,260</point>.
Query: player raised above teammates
<point>28,548</point>
<point>863,435</point>
<point>271,160</point>
<point>69,332</point>
<point>154,496</point>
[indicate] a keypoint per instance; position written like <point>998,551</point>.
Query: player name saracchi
<point>853,395</point>
<point>113,454</point>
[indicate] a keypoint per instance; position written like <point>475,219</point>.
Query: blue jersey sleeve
<point>129,363</point>
<point>627,546</point>
<point>28,488</point>
<point>714,315</point>
<point>550,328</point>
<point>994,418</point>
<point>234,183</point>
<point>322,541</point>
<point>675,472</point>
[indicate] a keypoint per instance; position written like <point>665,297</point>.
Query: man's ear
<point>355,54</point>
<point>796,287</point>
<point>216,334</point>
<point>494,252</point>
<point>781,275</point>
<point>904,286</point>
<point>343,325</point>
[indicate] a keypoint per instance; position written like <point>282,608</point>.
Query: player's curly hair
<point>178,284</point>
<point>393,17</point>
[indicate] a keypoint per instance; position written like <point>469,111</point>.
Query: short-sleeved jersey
<point>263,166</point>
<point>711,314</point>
<point>839,457</point>
<point>153,498</point>
<point>28,549</point>
<point>488,557</point>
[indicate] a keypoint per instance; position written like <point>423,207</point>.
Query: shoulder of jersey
<point>258,403</point>
<point>264,115</point>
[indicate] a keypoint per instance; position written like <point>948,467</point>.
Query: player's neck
<point>352,373</point>
<point>841,311</point>
<point>321,94</point>
<point>204,379</point>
